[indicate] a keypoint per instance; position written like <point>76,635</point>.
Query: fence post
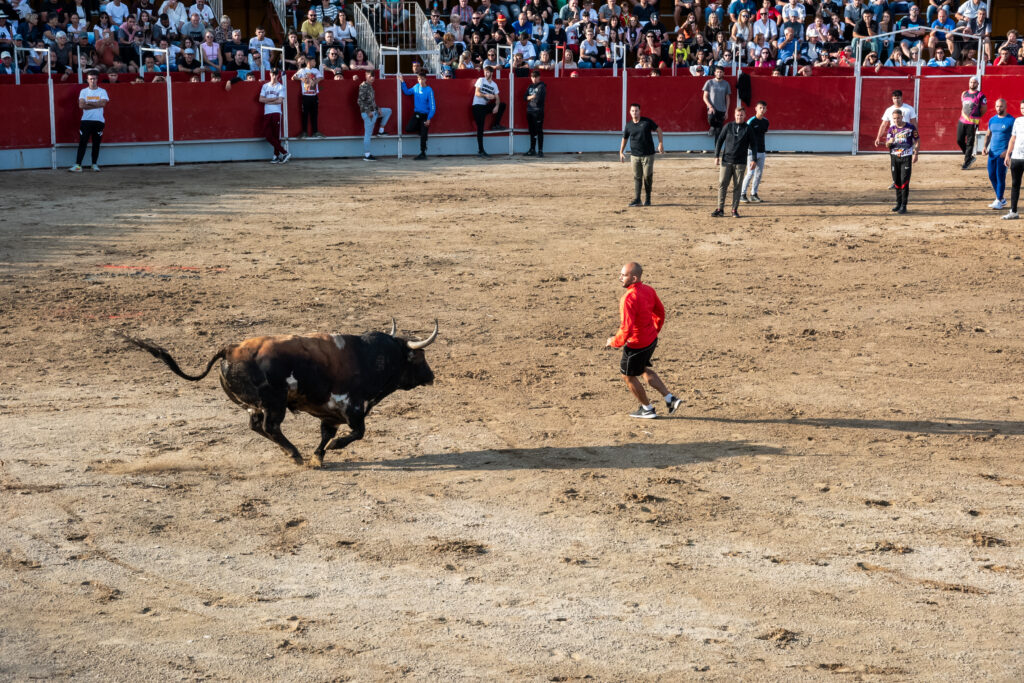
<point>511,111</point>
<point>855,143</point>
<point>53,121</point>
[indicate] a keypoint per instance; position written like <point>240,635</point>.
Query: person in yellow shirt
<point>311,28</point>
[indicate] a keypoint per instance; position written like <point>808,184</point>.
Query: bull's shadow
<point>625,456</point>
<point>939,425</point>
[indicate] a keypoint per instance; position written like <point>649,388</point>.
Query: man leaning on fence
<point>371,113</point>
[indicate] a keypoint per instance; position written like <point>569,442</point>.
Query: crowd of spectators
<point>786,35</point>
<point>111,37</point>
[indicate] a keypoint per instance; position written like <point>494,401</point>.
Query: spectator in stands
<point>465,61</point>
<point>346,34</point>
<point>6,63</point>
<point>526,49</point>
<point>334,62</point>
<point>117,11</point>
<point>74,28</point>
<point>1012,42</point>
<point>359,61</point>
<point>233,45</point>
<point>492,60</point>
<point>424,108</point>
<point>940,58</point>
<point>239,63</point>
<point>194,28</point>
<point>864,30</point>
<point>569,61</point>
<point>765,59</point>
<point>938,35</point>
<point>312,27</point>
<point>176,13</point>
<point>743,27</point>
<point>188,63</point>
<point>912,31</point>
<point>544,62</point>
<point>85,56</point>
<point>1005,58</point>
<point>164,29</point>
<point>325,10</point>
<point>488,13</point>
<point>767,27</point>
<point>435,24</point>
<point>224,31</point>
<point>477,49</point>
<point>310,50</point>
<point>107,49</point>
<point>292,50</point>
<point>463,11</point>
<point>205,12</point>
<point>448,53</point>
<point>210,51</point>
<point>978,26</point>
<point>260,39</point>
<point>934,6</point>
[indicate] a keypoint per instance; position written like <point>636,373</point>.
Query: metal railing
<point>425,42</point>
<point>365,37</point>
<point>392,22</point>
<point>282,14</point>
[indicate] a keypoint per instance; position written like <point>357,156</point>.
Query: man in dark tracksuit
<point>536,94</point>
<point>731,154</point>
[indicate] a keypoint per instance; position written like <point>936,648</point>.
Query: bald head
<point>630,273</point>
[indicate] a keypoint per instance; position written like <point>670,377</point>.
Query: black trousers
<point>535,121</point>
<point>480,112</point>
<point>418,124</point>
<point>1016,173</point>
<point>901,168</point>
<point>309,108</point>
<point>965,134</point>
<point>94,130</point>
<point>715,123</point>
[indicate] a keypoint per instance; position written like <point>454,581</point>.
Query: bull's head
<point>416,371</point>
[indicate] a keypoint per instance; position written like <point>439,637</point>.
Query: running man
<point>973,105</point>
<point>1000,127</point>
<point>91,101</point>
<point>424,107</point>
<point>1014,158</point>
<point>639,131</point>
<point>902,141</point>
<point>272,97</point>
<point>643,316</point>
<point>758,125</point>
<point>731,154</point>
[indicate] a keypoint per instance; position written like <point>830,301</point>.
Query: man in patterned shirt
<point>902,141</point>
<point>370,112</point>
<point>973,104</point>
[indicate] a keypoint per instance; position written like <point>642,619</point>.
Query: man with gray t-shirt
<point>716,97</point>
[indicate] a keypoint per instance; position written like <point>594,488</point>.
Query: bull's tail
<point>162,354</point>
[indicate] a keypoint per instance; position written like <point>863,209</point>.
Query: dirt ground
<point>839,497</point>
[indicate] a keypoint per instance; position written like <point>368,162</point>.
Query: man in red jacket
<point>642,318</point>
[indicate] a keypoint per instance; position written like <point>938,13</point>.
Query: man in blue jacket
<point>423,106</point>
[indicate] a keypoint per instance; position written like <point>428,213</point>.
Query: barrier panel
<point>207,111</point>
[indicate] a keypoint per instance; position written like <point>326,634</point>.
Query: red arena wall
<point>594,103</point>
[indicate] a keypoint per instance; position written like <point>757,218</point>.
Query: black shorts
<point>636,361</point>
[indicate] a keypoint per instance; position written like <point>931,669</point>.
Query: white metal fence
<point>365,36</point>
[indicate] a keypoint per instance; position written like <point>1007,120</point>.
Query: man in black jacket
<point>731,154</point>
<point>536,94</point>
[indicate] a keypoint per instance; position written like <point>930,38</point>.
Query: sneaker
<point>644,413</point>
<point>95,168</point>
<point>744,199</point>
<point>998,204</point>
<point>717,213</point>
<point>483,155</point>
<point>674,404</point>
<point>318,134</point>
<point>381,131</point>
<point>369,157</point>
<point>422,156</point>
<point>647,202</point>
<point>275,160</point>
<point>286,157</point>
<point>735,214</point>
<point>903,209</point>
<point>757,200</point>
<point>970,162</point>
<point>540,155</point>
<point>1011,216</point>
<point>635,202</point>
<point>499,128</point>
<point>530,153</point>
<point>302,135</point>
<point>76,168</point>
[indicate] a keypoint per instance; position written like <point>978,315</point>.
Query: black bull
<point>337,378</point>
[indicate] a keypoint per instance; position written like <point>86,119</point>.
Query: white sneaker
<point>96,168</point>
<point>275,160</point>
<point>75,169</point>
<point>997,204</point>
<point>1011,216</point>
<point>286,157</point>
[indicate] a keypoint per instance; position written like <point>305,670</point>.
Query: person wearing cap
<point>92,100</point>
<point>6,63</point>
<point>188,63</point>
<point>536,98</point>
<point>272,96</point>
<point>639,131</point>
<point>424,108</point>
<point>371,113</point>
<point>6,33</point>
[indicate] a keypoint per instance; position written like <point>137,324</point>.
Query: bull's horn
<point>394,328</point>
<point>426,342</point>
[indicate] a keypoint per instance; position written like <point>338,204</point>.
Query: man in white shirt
<point>525,48</point>
<point>204,11</point>
<point>766,26</point>
<point>309,104</point>
<point>176,13</point>
<point>272,98</point>
<point>969,10</point>
<point>486,100</point>
<point>260,39</point>
<point>118,12</point>
<point>92,101</point>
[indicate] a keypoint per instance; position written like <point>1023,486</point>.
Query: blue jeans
<point>752,179</point>
<point>720,11</point>
<point>997,174</point>
<point>368,121</point>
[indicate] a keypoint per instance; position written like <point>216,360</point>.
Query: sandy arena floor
<point>839,498</point>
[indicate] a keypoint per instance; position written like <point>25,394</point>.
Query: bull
<point>337,378</point>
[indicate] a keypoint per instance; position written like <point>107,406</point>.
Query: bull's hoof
<point>316,462</point>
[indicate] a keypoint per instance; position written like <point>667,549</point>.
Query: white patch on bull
<point>293,383</point>
<point>338,400</point>
<point>339,341</point>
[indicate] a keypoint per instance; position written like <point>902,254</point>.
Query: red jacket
<point>642,317</point>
